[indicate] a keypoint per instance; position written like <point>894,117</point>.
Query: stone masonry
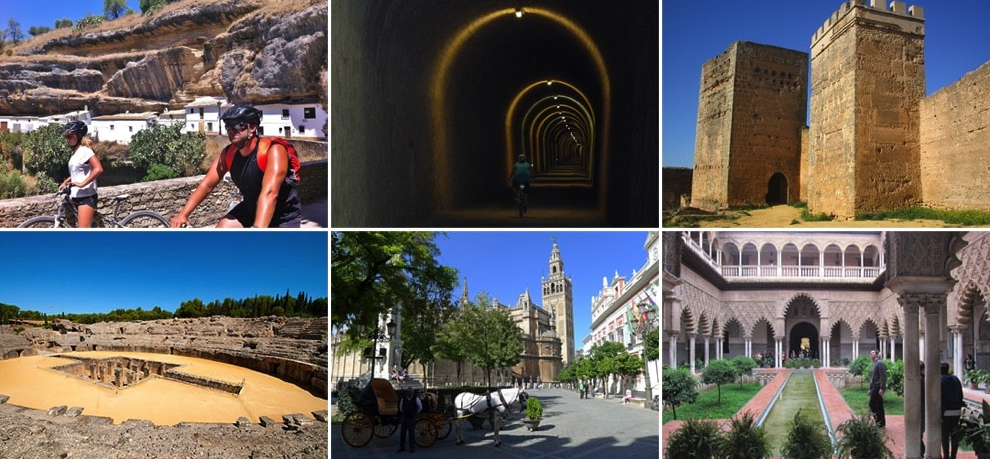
<point>751,110</point>
<point>867,79</point>
<point>874,142</point>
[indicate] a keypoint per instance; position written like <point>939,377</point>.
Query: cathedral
<point>547,334</point>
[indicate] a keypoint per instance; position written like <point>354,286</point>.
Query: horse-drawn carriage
<point>378,414</point>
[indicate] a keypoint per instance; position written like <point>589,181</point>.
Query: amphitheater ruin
<point>172,387</point>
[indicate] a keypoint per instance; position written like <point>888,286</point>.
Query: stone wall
<point>751,110</point>
<point>955,135</point>
<point>867,80</point>
<point>165,197</point>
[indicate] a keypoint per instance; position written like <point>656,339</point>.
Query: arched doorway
<point>777,189</point>
<point>803,336</point>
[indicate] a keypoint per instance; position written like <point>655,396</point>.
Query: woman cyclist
<point>84,168</point>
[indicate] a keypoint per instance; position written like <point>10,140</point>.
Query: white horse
<point>496,404</point>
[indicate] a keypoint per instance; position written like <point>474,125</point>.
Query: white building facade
<point>618,310</point>
<point>293,120</point>
<point>120,128</point>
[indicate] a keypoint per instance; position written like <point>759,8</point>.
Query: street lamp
<point>379,334</point>
<point>644,322</point>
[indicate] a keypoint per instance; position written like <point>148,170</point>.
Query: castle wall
<point>954,143</point>
<point>751,110</point>
<point>867,79</point>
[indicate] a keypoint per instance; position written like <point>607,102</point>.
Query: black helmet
<point>521,158</point>
<point>242,112</point>
<point>76,127</point>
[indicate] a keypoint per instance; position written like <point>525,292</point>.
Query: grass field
<point>859,400</point>
<point>707,406</point>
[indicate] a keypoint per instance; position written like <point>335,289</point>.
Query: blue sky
<point>956,38</point>
<point>99,271</point>
<point>506,263</point>
<point>46,12</point>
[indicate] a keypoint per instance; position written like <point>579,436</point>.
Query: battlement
<point>896,16</point>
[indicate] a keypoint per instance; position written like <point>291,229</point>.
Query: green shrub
<point>159,172</point>
<point>861,438</point>
<point>744,440</point>
<point>46,152</point>
<point>168,147</point>
<point>679,387</point>
<point>534,409</point>
<point>807,216</point>
<point>12,185</point>
<point>806,440</point>
<point>695,439</point>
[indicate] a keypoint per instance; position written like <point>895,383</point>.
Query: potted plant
<point>974,376</point>
<point>861,438</point>
<point>534,412</point>
<point>975,432</point>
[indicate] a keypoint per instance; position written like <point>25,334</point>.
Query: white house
<point>203,115</point>
<point>173,117</point>
<point>293,120</point>
<point>21,123</point>
<point>121,127</point>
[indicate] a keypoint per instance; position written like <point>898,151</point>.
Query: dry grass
<point>132,21</point>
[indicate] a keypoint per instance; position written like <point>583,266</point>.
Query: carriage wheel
<point>443,427</point>
<point>383,429</point>
<point>357,429</point>
<point>425,433</point>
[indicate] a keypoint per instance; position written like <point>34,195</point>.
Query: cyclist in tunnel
<point>522,172</point>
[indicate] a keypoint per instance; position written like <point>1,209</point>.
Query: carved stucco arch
<point>965,305</point>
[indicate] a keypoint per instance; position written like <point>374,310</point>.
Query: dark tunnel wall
<point>384,135</point>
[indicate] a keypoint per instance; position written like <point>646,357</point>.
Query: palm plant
<point>700,439</point>
<point>745,440</point>
<point>862,439</point>
<point>806,440</point>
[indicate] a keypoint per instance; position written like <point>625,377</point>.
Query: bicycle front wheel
<point>144,219</point>
<point>39,222</point>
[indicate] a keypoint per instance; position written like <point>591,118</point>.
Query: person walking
<point>409,408</point>
<point>952,402</point>
<point>878,385</point>
<point>581,390</point>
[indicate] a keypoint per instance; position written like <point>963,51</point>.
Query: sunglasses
<point>237,127</point>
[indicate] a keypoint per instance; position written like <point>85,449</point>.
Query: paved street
<point>571,427</point>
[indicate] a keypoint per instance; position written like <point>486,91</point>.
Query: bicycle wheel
<point>38,222</point>
<point>144,219</point>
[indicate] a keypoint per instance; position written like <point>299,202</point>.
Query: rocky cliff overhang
<point>245,51</point>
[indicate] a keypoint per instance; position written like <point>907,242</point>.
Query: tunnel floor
<point>548,207</point>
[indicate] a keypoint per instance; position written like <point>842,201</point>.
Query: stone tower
<point>558,298</point>
<point>751,110</point>
<point>867,79</point>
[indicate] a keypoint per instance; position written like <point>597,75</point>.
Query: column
<point>912,386</point>
<point>933,389</point>
<point>893,348</point>
<point>957,353</point>
<point>706,350</point>
<point>672,351</point>
<point>691,350</point>
<point>779,346</point>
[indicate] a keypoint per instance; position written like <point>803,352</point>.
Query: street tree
<point>421,318</point>
<point>448,344</point>
<point>628,366</point>
<point>487,336</point>
<point>719,372</point>
<point>372,272</point>
<point>744,366</point>
<point>605,356</point>
<point>678,387</point>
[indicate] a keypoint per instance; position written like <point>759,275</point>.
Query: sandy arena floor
<point>30,382</point>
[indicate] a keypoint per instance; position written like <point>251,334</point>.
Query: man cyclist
<point>521,173</point>
<point>271,198</point>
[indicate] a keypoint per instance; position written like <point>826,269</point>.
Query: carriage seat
<point>388,400</point>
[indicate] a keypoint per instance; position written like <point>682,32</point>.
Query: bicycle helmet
<point>76,127</point>
<point>243,113</point>
<point>521,158</point>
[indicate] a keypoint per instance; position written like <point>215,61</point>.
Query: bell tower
<point>558,297</point>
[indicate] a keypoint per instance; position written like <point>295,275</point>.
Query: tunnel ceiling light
<point>519,12</point>
<point>549,82</point>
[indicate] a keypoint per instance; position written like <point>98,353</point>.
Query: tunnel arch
<point>439,109</point>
